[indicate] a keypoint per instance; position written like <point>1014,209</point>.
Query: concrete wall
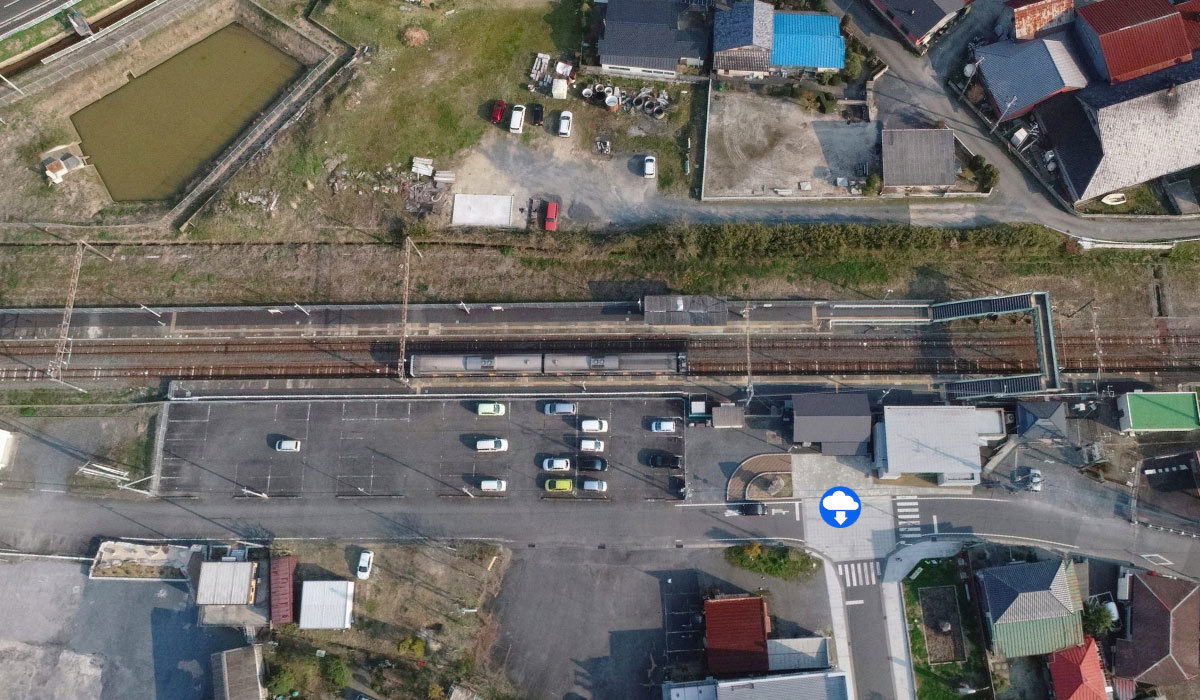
<point>1041,16</point>
<point>279,34</point>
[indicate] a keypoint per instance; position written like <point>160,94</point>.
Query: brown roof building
<point>1031,17</point>
<point>735,634</point>
<point>1127,39</point>
<point>1163,646</point>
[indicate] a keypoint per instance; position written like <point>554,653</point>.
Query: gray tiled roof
<point>747,23</point>
<point>840,422</point>
<point>1028,72</point>
<point>918,157</point>
<point>1034,591</point>
<point>749,60</point>
<point>929,440</point>
<point>646,34</point>
<point>1042,420</point>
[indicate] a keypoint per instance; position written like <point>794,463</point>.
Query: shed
<point>735,634</point>
<point>226,583</point>
<point>919,158</point>
<point>684,310</point>
<point>326,605</point>
<point>1158,411</point>
<point>729,415</point>
<point>283,586</point>
<point>238,674</point>
<point>482,210</point>
<point>1030,17</point>
<point>840,423</point>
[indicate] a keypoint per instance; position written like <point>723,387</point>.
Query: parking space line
<point>797,505</point>
<point>854,602</point>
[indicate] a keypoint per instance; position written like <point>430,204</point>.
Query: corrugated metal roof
<point>918,158</point>
<point>283,586</point>
<point>226,583</point>
<point>1077,673</point>
<point>797,686</point>
<point>237,674</point>
<point>326,605</point>
<point>1114,15</point>
<point>735,632</point>
<point>1137,37</point>
<point>808,40</point>
<point>1021,75</point>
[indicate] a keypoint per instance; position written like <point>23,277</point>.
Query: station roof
<point>685,310</point>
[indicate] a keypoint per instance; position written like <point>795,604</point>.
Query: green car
<point>559,485</point>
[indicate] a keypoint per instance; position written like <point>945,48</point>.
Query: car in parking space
<point>564,123</point>
<point>590,445</point>
<point>666,460</point>
<point>287,445</point>
<point>559,485</point>
<point>498,108</point>
<point>556,464</point>
<point>550,222</point>
<point>662,426</point>
<point>536,113</point>
<point>596,485</point>
<point>593,464</point>
<point>594,425</point>
<point>753,509</point>
<point>490,408</point>
<point>366,560</point>
<point>494,485</point>
<point>491,445</point>
<point>561,408</point>
<point>650,167</point>
<point>516,120</point>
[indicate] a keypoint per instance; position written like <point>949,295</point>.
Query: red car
<point>551,223</point>
<point>498,108</point>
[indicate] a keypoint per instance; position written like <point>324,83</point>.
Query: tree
<point>854,66</point>
<point>334,670</point>
<point>988,176</point>
<point>281,681</point>
<point>976,163</point>
<point>1096,620</point>
<point>874,182</point>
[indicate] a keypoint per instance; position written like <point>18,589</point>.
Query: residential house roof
<point>735,633</point>
<point>1143,129</point>
<point>746,23</point>
<point>921,16</point>
<point>840,422</point>
<point>1077,674</point>
<point>919,158</point>
<point>1032,608</point>
<point>808,40</point>
<point>646,34</point>
<point>1137,36</point>
<point>1020,75</point>
<point>326,605</point>
<point>1042,420</point>
<point>827,685</point>
<point>929,440</point>
<point>226,583</point>
<point>237,674</point>
<point>1164,624</point>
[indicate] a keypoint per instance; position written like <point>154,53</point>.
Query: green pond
<point>155,133</point>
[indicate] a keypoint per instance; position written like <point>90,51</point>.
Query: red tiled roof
<point>1138,37</point>
<point>735,633</point>
<point>283,571</point>
<point>1190,9</point>
<point>1077,673</point>
<point>1164,644</point>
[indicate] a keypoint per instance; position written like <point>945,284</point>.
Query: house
<point>919,158</point>
<point>944,441</point>
<point>326,605</point>
<point>238,674</point>
<point>918,21</point>
<point>1031,17</point>
<point>1126,39</point>
<point>1109,137</point>
<point>840,423</point>
<point>1158,411</point>
<point>752,39</point>
<point>1042,420</point>
<point>826,685</point>
<point>1161,646</point>
<point>735,634</point>
<point>1077,674</point>
<point>1020,76</point>
<point>652,38</point>
<point>1032,609</point>
<point>226,583</point>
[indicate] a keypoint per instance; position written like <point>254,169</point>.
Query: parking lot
<point>413,448</point>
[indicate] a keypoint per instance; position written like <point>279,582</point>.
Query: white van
<point>516,122</point>
<point>491,445</point>
<point>595,485</point>
<point>494,485</point>
<point>287,445</point>
<point>590,445</point>
<point>594,425</point>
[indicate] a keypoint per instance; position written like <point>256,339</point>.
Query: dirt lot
<point>757,143</point>
<point>410,630</point>
<point>939,605</point>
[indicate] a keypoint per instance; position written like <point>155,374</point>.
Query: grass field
<point>1140,199</point>
<point>941,682</point>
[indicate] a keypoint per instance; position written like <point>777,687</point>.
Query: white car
<point>556,464</point>
<point>287,445</point>
<point>489,408</point>
<point>662,426</point>
<point>516,121</point>
<point>491,445</point>
<point>495,485</point>
<point>596,485</point>
<point>589,445</point>
<point>561,408</point>
<point>564,123</point>
<point>365,561</point>
<point>650,167</point>
<point>594,425</point>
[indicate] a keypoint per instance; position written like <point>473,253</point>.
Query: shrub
<point>977,162</point>
<point>854,66</point>
<point>781,562</point>
<point>988,176</point>
<point>281,681</point>
<point>335,671</point>
<point>827,101</point>
<point>411,646</point>
<point>874,182</point>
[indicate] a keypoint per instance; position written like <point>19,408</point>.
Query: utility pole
<point>58,362</point>
<point>749,373</point>
<point>999,119</point>
<point>409,247</point>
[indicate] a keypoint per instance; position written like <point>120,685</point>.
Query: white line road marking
<point>908,516</point>
<point>962,498</point>
<point>797,505</point>
<point>854,602</point>
<point>935,525</point>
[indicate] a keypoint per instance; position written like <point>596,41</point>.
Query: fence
<point>38,19</point>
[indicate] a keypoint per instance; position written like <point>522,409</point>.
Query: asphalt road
<point>14,13</point>
<point>868,637</point>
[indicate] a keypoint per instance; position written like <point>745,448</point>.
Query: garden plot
<point>942,621</point>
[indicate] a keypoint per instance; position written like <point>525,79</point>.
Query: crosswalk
<point>908,518</point>
<point>859,573</point>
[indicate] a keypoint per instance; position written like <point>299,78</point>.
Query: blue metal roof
<point>808,41</point>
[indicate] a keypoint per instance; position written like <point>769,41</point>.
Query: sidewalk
<point>840,625</point>
<point>899,564</point>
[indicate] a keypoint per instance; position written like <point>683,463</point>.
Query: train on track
<point>546,364</point>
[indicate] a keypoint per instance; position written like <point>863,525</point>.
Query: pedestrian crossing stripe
<point>862,573</point>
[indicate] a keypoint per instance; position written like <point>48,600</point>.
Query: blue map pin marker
<point>840,507</point>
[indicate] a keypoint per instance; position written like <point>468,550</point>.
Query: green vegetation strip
<point>942,682</point>
<point>780,562</point>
